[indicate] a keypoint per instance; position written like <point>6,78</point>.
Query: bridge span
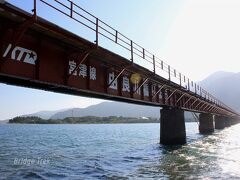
<point>38,54</point>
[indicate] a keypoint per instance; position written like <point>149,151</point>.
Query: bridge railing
<point>100,28</point>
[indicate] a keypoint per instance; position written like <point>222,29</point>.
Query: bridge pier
<point>220,122</point>
<point>206,123</point>
<point>172,126</point>
<point>235,121</point>
<point>228,122</point>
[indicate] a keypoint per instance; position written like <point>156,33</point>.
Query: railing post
<point>195,88</point>
<point>143,53</point>
<point>35,9</point>
<point>169,73</point>
<point>188,85</point>
<point>71,9</point>
<point>180,78</point>
<point>162,65</point>
<point>116,37</point>
<point>154,67</point>
<point>97,32</point>
<point>131,51</point>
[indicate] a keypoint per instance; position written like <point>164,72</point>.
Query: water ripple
<point>115,152</point>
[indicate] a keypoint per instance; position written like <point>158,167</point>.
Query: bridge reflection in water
<point>38,54</point>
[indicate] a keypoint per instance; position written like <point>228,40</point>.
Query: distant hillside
<point>105,109</point>
<point>225,86</point>
<point>4,122</point>
<point>110,109</point>
<point>43,114</point>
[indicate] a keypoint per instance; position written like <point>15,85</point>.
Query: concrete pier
<point>206,123</point>
<point>220,122</point>
<point>235,121</point>
<point>172,126</point>
<point>228,122</point>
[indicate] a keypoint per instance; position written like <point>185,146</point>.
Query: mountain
<point>104,109</point>
<point>43,114</point>
<point>110,109</point>
<point>4,121</point>
<point>225,86</point>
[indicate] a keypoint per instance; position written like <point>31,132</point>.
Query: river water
<point>115,151</point>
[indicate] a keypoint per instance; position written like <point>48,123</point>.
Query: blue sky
<point>196,37</point>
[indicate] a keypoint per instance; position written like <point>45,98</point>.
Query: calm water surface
<point>115,151</point>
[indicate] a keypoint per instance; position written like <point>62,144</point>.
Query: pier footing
<point>220,122</point>
<point>235,121</point>
<point>228,122</point>
<point>206,123</point>
<point>172,126</point>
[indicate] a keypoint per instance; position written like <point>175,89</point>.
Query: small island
<point>83,120</point>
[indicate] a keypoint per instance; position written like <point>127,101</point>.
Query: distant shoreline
<point>85,120</point>
<point>89,123</point>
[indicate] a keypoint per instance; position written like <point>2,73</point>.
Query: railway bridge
<point>39,54</point>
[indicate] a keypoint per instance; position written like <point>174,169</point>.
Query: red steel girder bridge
<point>38,54</point>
